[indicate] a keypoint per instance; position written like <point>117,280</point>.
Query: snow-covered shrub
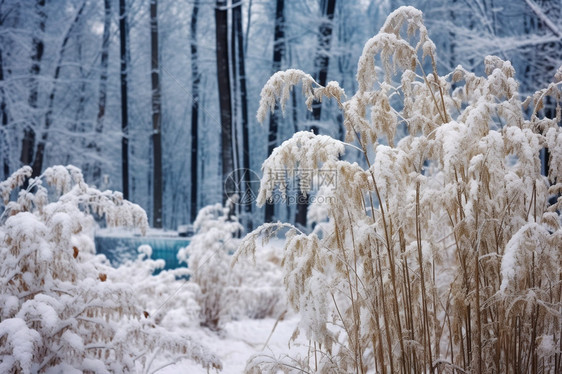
<point>62,309</point>
<point>443,252</point>
<point>257,288</point>
<point>225,292</point>
<point>166,297</point>
<point>207,256</point>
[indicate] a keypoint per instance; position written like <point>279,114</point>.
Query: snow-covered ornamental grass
<point>443,253</point>
<point>64,309</point>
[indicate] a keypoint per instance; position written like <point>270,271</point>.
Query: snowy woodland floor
<point>239,340</point>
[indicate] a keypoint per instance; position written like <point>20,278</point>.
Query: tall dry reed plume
<point>444,253</point>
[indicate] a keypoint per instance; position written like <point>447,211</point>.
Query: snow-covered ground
<point>239,340</point>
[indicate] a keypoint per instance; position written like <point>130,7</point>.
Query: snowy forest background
<point>61,92</point>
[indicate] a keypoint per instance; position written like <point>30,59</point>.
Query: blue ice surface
<point>122,248</point>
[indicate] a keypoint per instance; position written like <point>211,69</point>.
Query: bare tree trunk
<point>244,111</point>
<point>40,151</point>
<point>278,53</point>
<point>28,143</point>
<point>240,101</point>
<point>248,23</point>
<point>5,146</point>
<point>156,118</point>
<point>223,77</point>
<point>195,79</point>
<point>321,63</point>
<point>322,60</point>
<point>123,36</point>
<point>78,124</point>
<point>234,79</point>
<point>5,153</point>
<point>102,89</point>
<point>79,115</point>
<point>545,55</point>
<point>452,38</point>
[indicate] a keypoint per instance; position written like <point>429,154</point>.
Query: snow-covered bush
<point>226,292</point>
<point>257,290</point>
<point>207,256</point>
<point>442,250</point>
<point>63,309</point>
<point>166,297</point>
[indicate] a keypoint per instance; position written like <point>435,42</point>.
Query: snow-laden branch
<point>547,21</point>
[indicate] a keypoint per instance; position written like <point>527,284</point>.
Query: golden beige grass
<point>444,253</point>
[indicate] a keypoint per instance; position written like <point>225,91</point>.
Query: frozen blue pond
<point>119,249</point>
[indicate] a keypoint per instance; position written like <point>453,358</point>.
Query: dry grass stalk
<point>443,255</point>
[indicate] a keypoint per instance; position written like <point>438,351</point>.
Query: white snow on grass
<point>239,340</point>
